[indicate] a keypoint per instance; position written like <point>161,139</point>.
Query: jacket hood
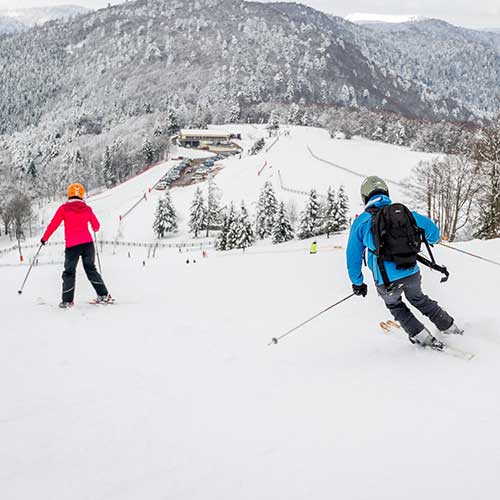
<point>378,201</point>
<point>77,206</point>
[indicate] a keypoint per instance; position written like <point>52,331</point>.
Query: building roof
<point>203,133</point>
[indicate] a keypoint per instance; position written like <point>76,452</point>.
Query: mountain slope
<point>456,63</point>
<point>131,58</point>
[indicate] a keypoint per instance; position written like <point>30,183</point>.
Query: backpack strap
<point>376,216</point>
<point>436,267</point>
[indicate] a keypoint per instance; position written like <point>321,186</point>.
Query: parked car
<point>161,186</point>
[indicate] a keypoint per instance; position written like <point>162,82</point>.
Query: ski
<point>391,326</point>
<point>102,302</point>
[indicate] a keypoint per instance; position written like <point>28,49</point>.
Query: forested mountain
<point>104,86</point>
<point>456,63</point>
<point>212,55</point>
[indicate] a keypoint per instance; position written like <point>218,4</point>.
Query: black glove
<point>43,242</point>
<point>361,290</point>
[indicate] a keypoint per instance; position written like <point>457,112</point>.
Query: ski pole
<point>97,253</point>
<point>470,254</point>
<point>274,340</point>
<point>20,291</point>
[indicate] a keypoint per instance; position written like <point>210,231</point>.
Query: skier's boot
<point>66,305</point>
<point>453,330</point>
<point>426,339</point>
<point>104,299</point>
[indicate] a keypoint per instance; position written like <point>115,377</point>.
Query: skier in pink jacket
<point>77,216</point>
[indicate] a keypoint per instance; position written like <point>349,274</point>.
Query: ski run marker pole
<point>97,253</point>
<point>470,254</point>
<point>274,340</point>
<point>20,291</point>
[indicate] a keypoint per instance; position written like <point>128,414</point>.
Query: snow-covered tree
<point>342,219</point>
<point>197,213</point>
<point>227,237</point>
<point>330,213</point>
<point>310,221</point>
<point>294,115</point>
<point>245,235</point>
<point>487,154</point>
<point>108,171</point>
<point>148,151</point>
<point>274,120</point>
<point>267,208</point>
<point>282,230</point>
<point>214,212</point>
<point>233,228</point>
<point>165,218</point>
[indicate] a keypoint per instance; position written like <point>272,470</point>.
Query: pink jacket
<point>76,215</point>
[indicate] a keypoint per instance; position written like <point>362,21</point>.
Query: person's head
<point>76,191</point>
<point>371,186</point>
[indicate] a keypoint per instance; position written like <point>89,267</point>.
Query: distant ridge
<point>366,18</point>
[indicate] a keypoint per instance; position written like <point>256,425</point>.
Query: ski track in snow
<point>173,392</point>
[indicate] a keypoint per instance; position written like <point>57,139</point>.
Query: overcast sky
<point>470,13</point>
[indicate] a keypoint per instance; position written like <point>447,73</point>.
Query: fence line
<point>290,190</point>
<point>348,170</point>
<point>130,244</point>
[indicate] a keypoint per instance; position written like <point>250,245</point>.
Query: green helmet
<point>373,185</point>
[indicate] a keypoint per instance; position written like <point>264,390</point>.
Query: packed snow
<point>173,392</point>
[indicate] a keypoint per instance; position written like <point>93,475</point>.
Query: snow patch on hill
<point>366,18</point>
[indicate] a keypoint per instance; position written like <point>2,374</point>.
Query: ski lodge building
<point>205,139</point>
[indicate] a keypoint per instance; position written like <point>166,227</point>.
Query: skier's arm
<point>431,230</point>
<point>93,221</point>
<point>54,224</point>
<point>354,254</point>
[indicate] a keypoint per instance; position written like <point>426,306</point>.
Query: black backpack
<point>398,239</point>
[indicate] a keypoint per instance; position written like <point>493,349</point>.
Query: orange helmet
<point>76,190</point>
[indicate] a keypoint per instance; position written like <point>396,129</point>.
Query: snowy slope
<point>239,179</point>
<point>174,392</point>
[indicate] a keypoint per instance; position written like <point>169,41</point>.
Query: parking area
<point>190,171</point>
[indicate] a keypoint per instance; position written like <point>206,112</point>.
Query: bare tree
<point>446,188</point>
<point>16,214</point>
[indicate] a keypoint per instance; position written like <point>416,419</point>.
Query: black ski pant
<point>411,287</point>
<point>87,252</point>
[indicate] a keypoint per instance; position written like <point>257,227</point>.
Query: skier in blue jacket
<point>375,194</point>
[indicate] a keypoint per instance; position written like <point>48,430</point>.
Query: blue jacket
<point>361,238</point>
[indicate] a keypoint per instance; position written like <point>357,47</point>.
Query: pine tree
<point>233,229</point>
<point>221,243</point>
<point>342,220</point>
<point>274,120</point>
<point>282,230</point>
<point>148,152</point>
<point>172,122</point>
<point>108,171</point>
<point>294,117</point>
<point>213,213</point>
<point>310,217</point>
<point>267,208</point>
<point>197,214</point>
<point>330,213</point>
<point>245,236</point>
<point>165,218</point>
<point>227,237</point>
